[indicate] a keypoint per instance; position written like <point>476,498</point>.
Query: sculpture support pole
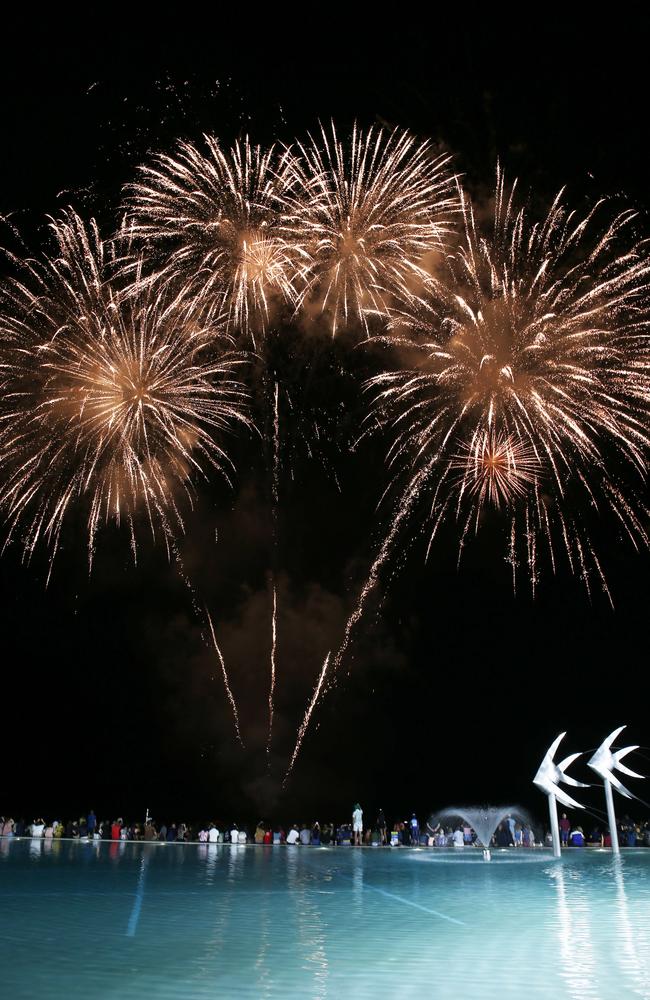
<point>555,830</point>
<point>548,778</point>
<point>611,816</point>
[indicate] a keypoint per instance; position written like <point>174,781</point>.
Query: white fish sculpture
<point>605,761</point>
<point>550,774</point>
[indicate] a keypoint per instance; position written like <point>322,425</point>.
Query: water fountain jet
<point>484,820</point>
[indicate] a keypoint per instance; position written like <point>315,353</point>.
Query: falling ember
<point>305,722</point>
<point>229,693</point>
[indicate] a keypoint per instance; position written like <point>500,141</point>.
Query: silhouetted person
<point>503,836</point>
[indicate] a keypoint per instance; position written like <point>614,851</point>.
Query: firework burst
<point>214,215</point>
<point>363,216</point>
<point>113,401</point>
<point>525,384</point>
<point>495,468</point>
<point>527,379</point>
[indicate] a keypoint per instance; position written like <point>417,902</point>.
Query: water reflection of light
<point>236,854</point>
<point>35,848</point>
<point>134,917</point>
<point>357,882</point>
<point>216,930</point>
<point>574,933</point>
<point>633,950</point>
<point>312,935</point>
<point>264,926</point>
<point>211,854</point>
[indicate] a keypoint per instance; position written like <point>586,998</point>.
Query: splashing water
<point>484,820</point>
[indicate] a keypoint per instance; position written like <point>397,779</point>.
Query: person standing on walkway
<point>565,829</point>
<point>91,824</point>
<point>357,824</point>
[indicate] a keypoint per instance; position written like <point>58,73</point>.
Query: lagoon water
<point>198,921</point>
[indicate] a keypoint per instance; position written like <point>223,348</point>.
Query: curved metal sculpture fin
<point>605,761</point>
<point>549,775</point>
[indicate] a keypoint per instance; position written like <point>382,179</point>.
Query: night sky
<point>456,687</point>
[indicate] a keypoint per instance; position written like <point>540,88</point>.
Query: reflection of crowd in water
<point>403,833</point>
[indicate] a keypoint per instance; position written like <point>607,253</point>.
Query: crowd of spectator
<point>403,833</point>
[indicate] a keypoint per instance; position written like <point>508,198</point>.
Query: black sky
<point>109,697</point>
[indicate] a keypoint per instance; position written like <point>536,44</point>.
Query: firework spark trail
<point>114,402</point>
<point>305,722</point>
<point>201,613</point>
<point>229,693</point>
<point>272,685</point>
<point>406,506</point>
<point>275,489</point>
<point>276,454</point>
<point>182,572</point>
<point>362,215</point>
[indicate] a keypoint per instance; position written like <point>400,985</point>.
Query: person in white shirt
<point>213,834</point>
<point>37,828</point>
<point>458,838</point>
<point>293,836</point>
<point>357,824</point>
<point>234,835</point>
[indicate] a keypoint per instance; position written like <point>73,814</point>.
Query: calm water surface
<point>195,921</point>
